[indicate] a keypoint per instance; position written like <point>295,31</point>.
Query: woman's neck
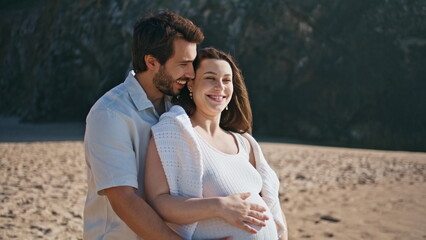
<point>208,124</point>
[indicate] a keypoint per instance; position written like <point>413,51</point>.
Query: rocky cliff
<point>330,72</point>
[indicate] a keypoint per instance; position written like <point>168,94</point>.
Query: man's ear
<point>151,62</point>
<point>190,84</point>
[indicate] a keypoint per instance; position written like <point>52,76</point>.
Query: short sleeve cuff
<point>124,181</point>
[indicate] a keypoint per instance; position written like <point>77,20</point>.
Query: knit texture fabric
<point>225,174</point>
<point>181,159</point>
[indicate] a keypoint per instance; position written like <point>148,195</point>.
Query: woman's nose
<point>219,85</point>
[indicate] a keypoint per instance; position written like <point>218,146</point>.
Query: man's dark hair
<point>154,35</point>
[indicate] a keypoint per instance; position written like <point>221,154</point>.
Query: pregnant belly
<point>217,228</point>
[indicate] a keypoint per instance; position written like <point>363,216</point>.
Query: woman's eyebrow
<point>210,72</point>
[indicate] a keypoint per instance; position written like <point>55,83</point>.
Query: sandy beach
<point>326,192</point>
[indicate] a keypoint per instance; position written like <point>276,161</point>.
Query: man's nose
<point>189,72</point>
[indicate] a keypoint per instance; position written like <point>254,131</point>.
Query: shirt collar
<point>138,94</point>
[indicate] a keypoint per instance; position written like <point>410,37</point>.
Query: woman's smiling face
<point>212,87</point>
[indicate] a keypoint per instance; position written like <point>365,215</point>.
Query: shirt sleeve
<point>109,150</point>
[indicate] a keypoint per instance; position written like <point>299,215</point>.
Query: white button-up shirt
<point>116,140</point>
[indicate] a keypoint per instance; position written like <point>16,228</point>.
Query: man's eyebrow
<point>186,61</point>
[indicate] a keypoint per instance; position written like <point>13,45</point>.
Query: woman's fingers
<point>257,207</point>
<point>258,215</point>
<point>254,221</point>
<point>247,228</point>
<point>241,213</point>
<point>244,196</point>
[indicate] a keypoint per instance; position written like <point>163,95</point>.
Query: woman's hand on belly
<point>238,212</point>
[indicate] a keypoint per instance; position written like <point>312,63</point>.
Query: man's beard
<point>163,81</point>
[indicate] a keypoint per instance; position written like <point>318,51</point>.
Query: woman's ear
<point>151,62</point>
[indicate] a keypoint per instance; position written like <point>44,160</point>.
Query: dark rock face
<point>334,72</point>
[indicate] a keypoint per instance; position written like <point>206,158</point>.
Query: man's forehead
<point>184,50</point>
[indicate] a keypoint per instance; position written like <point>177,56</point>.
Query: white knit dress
<point>226,174</point>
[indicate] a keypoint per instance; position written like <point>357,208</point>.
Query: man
<point>118,132</point>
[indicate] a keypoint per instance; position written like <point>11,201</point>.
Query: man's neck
<point>153,94</point>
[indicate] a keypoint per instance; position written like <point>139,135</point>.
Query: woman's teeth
<point>217,97</point>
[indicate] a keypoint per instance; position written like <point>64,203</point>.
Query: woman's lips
<point>217,98</point>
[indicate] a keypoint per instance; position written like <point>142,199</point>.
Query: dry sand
<point>326,193</point>
<point>340,193</point>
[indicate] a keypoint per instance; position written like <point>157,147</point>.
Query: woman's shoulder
<point>174,111</point>
<point>175,115</point>
<point>174,124</point>
<point>241,138</point>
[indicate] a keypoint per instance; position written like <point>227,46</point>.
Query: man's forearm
<point>139,216</point>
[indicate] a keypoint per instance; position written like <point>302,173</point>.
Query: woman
<point>193,162</point>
